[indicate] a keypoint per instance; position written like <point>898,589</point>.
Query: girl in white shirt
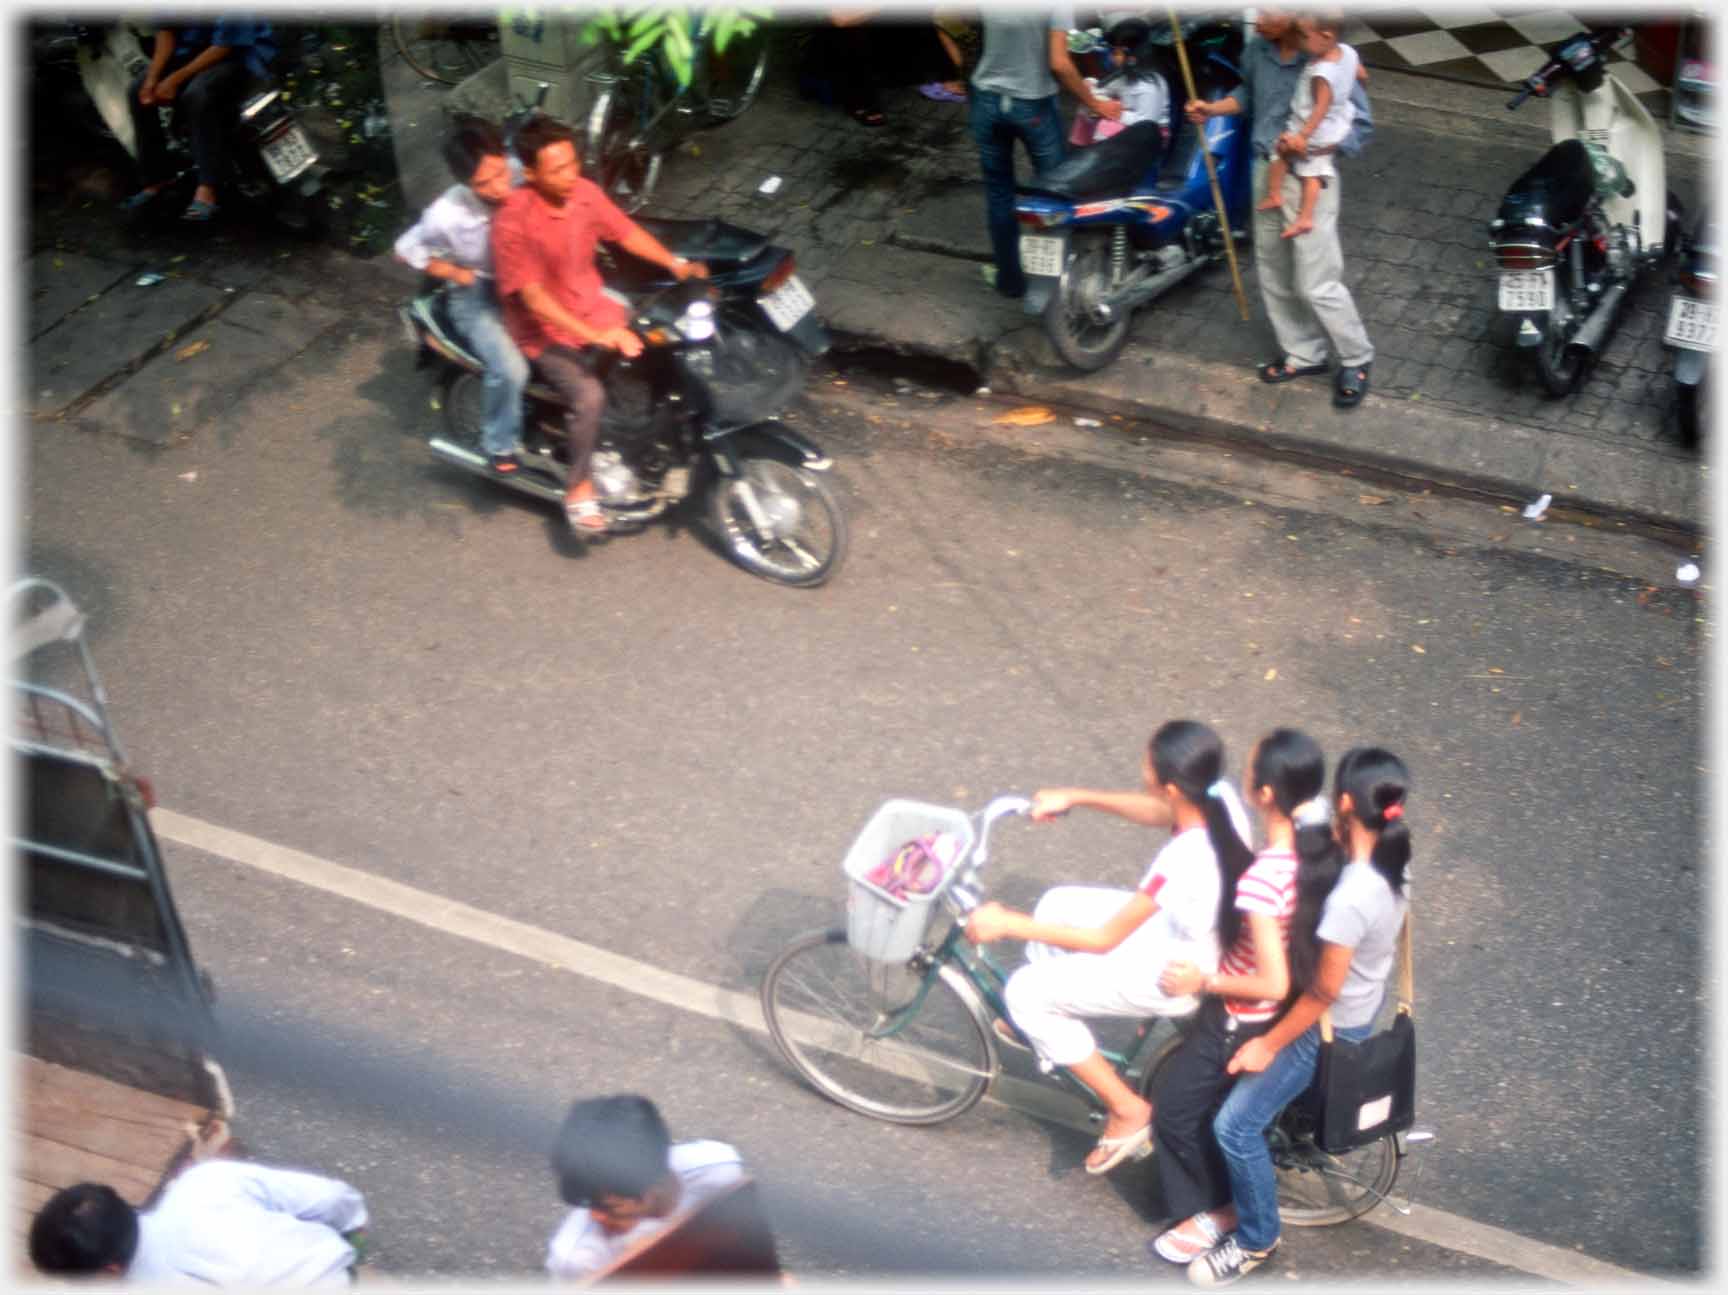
<point>1097,952</point>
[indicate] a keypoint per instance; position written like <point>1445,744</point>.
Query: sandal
<point>1275,371</point>
<point>504,464</point>
<point>142,199</point>
<point>868,116</point>
<point>1136,1146</point>
<point>941,93</point>
<point>199,213</point>
<point>1352,386</point>
<point>585,518</point>
<point>1173,1247</point>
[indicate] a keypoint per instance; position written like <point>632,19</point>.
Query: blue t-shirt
<point>253,42</point>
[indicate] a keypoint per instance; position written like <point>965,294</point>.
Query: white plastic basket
<point>879,925</point>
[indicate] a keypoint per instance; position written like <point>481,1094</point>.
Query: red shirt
<point>536,242</point>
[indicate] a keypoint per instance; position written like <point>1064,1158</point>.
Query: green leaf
<point>641,22</point>
<point>723,28</point>
<point>680,63</point>
<point>640,44</point>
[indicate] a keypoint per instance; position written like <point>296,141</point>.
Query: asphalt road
<point>328,641</point>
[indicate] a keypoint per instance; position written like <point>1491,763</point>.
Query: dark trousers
<point>571,374</point>
<point>860,61</point>
<point>1191,1170</point>
<point>997,121</point>
<point>211,102</point>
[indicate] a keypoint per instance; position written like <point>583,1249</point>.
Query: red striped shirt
<point>1267,888</point>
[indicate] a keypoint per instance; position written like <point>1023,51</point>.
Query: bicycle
<point>640,110</point>
<point>443,50</point>
<point>892,1017</point>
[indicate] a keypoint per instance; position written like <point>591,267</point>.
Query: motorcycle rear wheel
<point>1687,400</point>
<point>1069,319</point>
<point>622,163</point>
<point>464,408</point>
<point>806,540</point>
<point>1558,368</point>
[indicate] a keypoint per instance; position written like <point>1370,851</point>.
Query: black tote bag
<point>1365,1090</point>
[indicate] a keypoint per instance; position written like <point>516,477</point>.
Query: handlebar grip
<point>1523,94</point>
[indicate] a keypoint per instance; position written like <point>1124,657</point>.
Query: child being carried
<point>1321,116</point>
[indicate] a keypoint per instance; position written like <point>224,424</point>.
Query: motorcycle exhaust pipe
<point>1157,284</point>
<point>529,483</point>
<point>1594,330</point>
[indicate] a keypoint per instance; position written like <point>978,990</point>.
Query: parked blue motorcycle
<point>1122,221</point>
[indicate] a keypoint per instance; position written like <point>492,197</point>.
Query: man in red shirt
<point>543,241</point>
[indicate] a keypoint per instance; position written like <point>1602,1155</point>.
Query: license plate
<point>1527,290</point>
<point>1692,324</point>
<point>1040,254</point>
<point>288,153</point>
<point>788,303</point>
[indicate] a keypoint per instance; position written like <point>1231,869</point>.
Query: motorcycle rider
<point>453,241</point>
<point>205,72</point>
<point>555,306</point>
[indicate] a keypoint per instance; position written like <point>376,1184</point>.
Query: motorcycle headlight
<point>696,324</point>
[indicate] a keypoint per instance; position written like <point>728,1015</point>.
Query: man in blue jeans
<point>1014,97</point>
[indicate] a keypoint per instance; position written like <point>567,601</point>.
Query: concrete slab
<point>110,335</point>
<point>1617,478</point>
<point>915,303</point>
<point>951,222</point>
<point>61,282</point>
<point>170,397</point>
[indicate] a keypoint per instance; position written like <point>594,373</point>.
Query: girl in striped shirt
<point>1286,772</point>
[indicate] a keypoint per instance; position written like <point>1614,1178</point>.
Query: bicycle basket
<point>885,927</point>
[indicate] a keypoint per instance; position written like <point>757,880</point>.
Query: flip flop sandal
<point>140,200</point>
<point>940,93</point>
<point>1352,386</point>
<point>1130,1146</point>
<point>871,117</point>
<point>581,517</point>
<point>1172,1247</point>
<point>199,213</point>
<point>1276,371</point>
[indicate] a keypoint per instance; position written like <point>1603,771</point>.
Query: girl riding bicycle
<point>1358,936</point>
<point>1270,947</point>
<point>1095,951</point>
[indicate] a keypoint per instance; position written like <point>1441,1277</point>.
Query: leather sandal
<point>1352,386</point>
<point>1130,1146</point>
<point>1172,1247</point>
<point>1276,371</point>
<point>199,213</point>
<point>585,519</point>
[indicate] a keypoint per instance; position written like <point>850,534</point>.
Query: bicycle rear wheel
<point>615,153</point>
<point>442,50</point>
<point>885,1041</point>
<point>734,78</point>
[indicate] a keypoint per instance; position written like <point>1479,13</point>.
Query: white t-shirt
<point>1340,74</point>
<point>1143,98</point>
<point>581,1246</point>
<point>232,1223</point>
<point>1184,880</point>
<point>457,227</point>
<point>1363,915</point>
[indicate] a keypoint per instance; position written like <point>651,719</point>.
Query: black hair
<point>541,132</point>
<point>472,139</point>
<point>84,1229</point>
<point>1190,755</point>
<point>1376,781</point>
<point>610,1146</point>
<point>1291,763</point>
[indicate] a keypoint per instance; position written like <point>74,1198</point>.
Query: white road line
<point>452,917</point>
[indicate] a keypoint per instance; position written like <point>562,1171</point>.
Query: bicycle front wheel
<point>882,1040</point>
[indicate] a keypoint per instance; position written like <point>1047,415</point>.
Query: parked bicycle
<point>641,110</point>
<point>891,1016</point>
<point>445,49</point>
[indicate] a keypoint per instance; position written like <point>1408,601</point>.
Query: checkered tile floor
<point>1484,46</point>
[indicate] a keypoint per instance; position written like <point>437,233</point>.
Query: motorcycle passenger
<point>1094,951</point>
<point>207,72</point>
<point>1358,934</point>
<point>555,306</point>
<point>453,241</point>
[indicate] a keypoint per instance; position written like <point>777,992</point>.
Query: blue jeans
<point>997,121</point>
<point>475,311</point>
<point>1241,1125</point>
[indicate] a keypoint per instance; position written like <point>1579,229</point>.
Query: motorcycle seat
<point>1109,168</point>
<point>705,240</point>
<point>1557,188</point>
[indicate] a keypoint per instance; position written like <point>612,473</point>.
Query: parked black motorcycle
<point>1691,330</point>
<point>695,415</point>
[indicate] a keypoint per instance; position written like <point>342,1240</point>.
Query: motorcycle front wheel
<point>1074,318</point>
<point>794,534</point>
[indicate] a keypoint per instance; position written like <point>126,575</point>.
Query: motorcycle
<point>1576,229</point>
<point>1691,329</point>
<point>276,167</point>
<point>1122,221</point>
<point>694,416</point>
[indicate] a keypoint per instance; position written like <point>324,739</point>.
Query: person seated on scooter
<point>1094,951</point>
<point>555,306</point>
<point>1141,90</point>
<point>617,1165</point>
<point>207,72</point>
<point>1321,116</point>
<point>453,241</point>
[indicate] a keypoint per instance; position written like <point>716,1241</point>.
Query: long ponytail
<point>1377,783</point>
<point>1190,755</point>
<point>1319,860</point>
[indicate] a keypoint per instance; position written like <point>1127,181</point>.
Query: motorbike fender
<point>1039,289</point>
<point>809,335</point>
<point>1690,366</point>
<point>1529,327</point>
<point>724,446</point>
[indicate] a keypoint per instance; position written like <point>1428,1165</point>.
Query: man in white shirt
<point>218,1223</point>
<point>617,1166</point>
<point>453,241</point>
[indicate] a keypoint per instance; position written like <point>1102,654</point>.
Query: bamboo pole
<point>1211,170</point>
